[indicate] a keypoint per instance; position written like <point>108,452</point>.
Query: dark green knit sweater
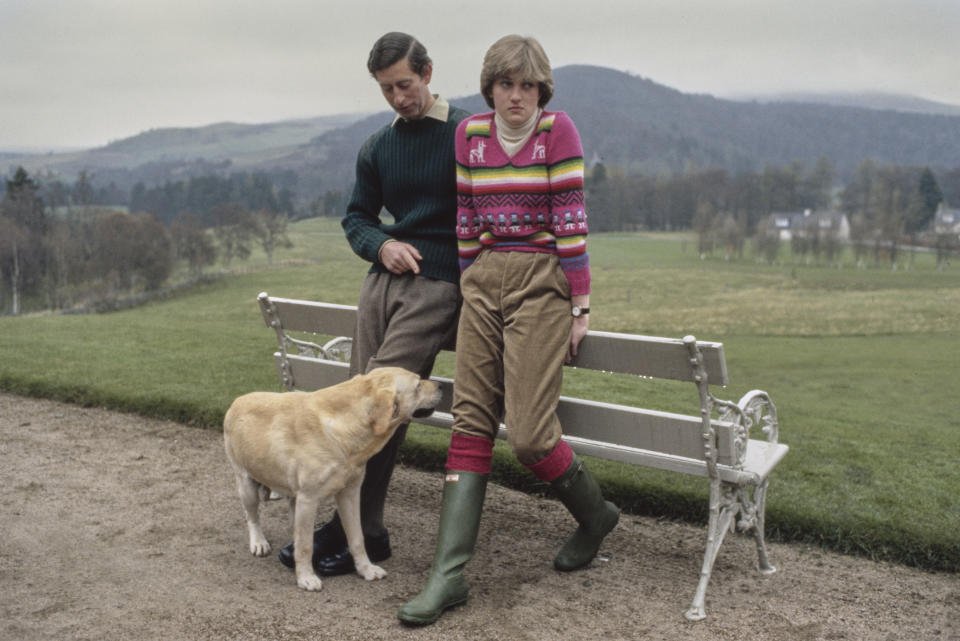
<point>409,169</point>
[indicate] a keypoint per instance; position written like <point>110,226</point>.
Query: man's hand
<point>400,257</point>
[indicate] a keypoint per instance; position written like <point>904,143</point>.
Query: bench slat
<point>767,454</point>
<point>649,356</point>
<point>670,463</point>
<point>311,374</point>
<point>605,351</point>
<point>672,434</point>
<point>309,316</point>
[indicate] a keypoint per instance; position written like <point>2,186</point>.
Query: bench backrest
<point>590,426</point>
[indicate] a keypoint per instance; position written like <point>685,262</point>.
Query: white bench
<point>715,443</point>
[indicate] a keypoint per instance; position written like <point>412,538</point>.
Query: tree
<point>82,193</point>
<point>192,243</point>
<point>766,242</point>
<point>704,225</point>
<point>12,240</point>
<point>133,252</point>
<point>234,228</point>
<point>24,223</point>
<point>923,204</point>
<point>271,231</point>
<point>731,233</point>
<point>818,185</point>
<point>856,195</point>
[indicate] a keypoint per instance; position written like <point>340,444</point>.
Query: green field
<point>861,364</point>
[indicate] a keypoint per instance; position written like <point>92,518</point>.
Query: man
<point>410,299</point>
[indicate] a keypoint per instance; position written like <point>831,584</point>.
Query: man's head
<point>393,47</point>
<point>400,65</point>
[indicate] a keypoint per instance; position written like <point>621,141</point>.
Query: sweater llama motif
<point>532,202</point>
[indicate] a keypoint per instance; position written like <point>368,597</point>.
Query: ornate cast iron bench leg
<point>721,521</point>
<point>759,501</point>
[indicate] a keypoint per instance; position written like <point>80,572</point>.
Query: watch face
<point>575,311</point>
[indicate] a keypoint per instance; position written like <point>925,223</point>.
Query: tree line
<point>887,206</point>
<point>59,248</point>
<point>59,257</point>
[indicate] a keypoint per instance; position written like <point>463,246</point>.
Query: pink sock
<point>470,453</point>
<point>556,463</point>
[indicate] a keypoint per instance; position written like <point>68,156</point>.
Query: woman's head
<point>518,56</point>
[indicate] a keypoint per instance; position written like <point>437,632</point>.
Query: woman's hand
<point>577,332</point>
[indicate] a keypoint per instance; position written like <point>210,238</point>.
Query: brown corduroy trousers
<point>512,338</point>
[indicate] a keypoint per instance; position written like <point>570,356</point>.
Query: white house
<point>808,222</point>
<point>946,221</point>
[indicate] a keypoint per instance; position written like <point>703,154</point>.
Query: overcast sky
<point>86,72</point>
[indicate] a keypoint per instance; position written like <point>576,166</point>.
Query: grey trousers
<point>514,330</point>
<point>402,321</point>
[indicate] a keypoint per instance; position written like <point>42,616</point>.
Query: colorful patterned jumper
<point>532,202</point>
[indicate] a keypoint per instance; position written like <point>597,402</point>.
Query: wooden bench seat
<point>715,442</point>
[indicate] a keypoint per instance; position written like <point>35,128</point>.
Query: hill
<point>624,120</point>
<point>866,100</point>
<point>646,127</point>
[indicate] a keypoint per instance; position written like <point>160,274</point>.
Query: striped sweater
<point>532,202</point>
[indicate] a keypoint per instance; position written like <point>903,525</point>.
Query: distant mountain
<point>623,120</point>
<point>237,144</point>
<point>865,100</point>
<point>638,124</point>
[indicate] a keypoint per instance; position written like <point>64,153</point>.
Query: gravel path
<point>119,527</point>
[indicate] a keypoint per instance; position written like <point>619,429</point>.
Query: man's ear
<point>383,411</point>
<point>427,73</point>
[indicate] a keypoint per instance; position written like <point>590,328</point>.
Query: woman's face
<point>515,99</point>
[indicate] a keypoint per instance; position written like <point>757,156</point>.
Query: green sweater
<point>409,169</point>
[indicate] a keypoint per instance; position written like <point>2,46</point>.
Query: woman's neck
<point>512,138</point>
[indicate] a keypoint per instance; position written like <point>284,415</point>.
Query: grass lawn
<point>860,362</point>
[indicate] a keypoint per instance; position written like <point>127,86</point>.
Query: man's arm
<point>361,222</point>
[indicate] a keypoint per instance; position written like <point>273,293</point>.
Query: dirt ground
<point>118,527</point>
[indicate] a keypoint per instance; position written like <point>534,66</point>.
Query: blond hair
<point>521,55</point>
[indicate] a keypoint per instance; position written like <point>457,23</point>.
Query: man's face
<point>406,92</point>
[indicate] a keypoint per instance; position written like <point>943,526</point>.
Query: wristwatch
<point>576,310</point>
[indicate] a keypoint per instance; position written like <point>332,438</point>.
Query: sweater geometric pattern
<point>532,202</point>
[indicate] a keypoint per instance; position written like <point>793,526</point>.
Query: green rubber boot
<point>463,494</point>
<point>579,492</point>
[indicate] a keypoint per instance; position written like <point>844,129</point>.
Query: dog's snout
<point>429,398</point>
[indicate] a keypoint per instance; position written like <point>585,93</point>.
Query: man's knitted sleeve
<point>361,223</point>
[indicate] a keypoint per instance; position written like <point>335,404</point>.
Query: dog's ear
<point>384,410</point>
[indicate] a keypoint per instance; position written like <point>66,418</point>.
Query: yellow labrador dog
<point>313,446</point>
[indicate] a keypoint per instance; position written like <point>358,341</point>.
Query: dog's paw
<point>259,547</point>
<point>371,572</point>
<point>311,583</point>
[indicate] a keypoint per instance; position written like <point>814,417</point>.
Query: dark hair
<point>395,46</point>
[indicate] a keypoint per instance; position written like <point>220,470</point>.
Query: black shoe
<point>327,539</point>
<point>331,555</point>
<point>341,561</point>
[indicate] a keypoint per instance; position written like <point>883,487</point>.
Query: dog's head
<point>400,395</point>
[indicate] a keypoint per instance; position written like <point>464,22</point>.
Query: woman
<point>525,279</point>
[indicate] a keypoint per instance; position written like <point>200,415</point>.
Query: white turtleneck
<point>513,138</point>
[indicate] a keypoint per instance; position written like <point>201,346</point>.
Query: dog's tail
<point>266,494</point>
